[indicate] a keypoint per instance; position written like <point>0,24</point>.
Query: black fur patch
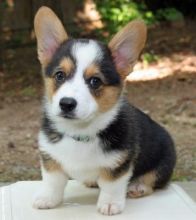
<point>52,134</point>
<point>150,147</point>
<point>107,66</point>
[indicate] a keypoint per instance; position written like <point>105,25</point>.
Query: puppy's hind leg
<point>155,179</point>
<point>142,186</point>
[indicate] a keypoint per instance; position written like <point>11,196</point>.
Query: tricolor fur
<point>90,132</point>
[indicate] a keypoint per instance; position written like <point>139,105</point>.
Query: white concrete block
<point>171,203</point>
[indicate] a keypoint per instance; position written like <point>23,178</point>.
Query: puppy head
<point>84,78</point>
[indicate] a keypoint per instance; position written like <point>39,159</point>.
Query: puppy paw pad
<point>44,202</point>
<point>110,209</point>
<point>137,190</point>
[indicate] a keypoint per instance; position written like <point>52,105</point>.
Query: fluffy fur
<point>101,139</point>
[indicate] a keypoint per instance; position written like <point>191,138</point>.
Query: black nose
<point>67,104</point>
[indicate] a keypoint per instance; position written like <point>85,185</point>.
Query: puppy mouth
<point>68,115</point>
<point>72,116</point>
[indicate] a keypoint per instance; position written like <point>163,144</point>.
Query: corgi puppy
<point>89,130</point>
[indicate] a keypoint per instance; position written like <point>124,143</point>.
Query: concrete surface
<point>189,187</point>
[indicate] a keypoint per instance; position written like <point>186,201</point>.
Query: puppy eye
<point>95,82</point>
<point>60,76</point>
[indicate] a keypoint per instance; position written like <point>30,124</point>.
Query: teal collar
<point>81,138</point>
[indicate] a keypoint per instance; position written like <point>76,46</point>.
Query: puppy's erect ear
<point>126,46</point>
<point>49,32</point>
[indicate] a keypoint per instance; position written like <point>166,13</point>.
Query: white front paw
<point>47,200</point>
<point>110,208</point>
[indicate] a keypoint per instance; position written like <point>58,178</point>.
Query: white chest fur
<point>80,160</point>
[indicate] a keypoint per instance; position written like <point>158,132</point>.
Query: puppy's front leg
<point>52,190</point>
<point>113,194</point>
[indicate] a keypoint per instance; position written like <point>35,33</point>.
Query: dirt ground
<point>165,89</point>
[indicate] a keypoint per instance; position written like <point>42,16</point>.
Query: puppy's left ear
<point>49,32</point>
<point>126,46</point>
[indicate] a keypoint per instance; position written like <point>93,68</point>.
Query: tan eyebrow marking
<point>91,70</point>
<point>94,70</point>
<point>67,65</point>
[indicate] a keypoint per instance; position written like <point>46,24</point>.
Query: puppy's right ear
<point>49,32</point>
<point>126,46</point>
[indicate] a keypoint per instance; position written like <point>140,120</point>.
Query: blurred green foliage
<point>3,4</point>
<point>149,58</point>
<point>117,13</point>
<point>169,14</point>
